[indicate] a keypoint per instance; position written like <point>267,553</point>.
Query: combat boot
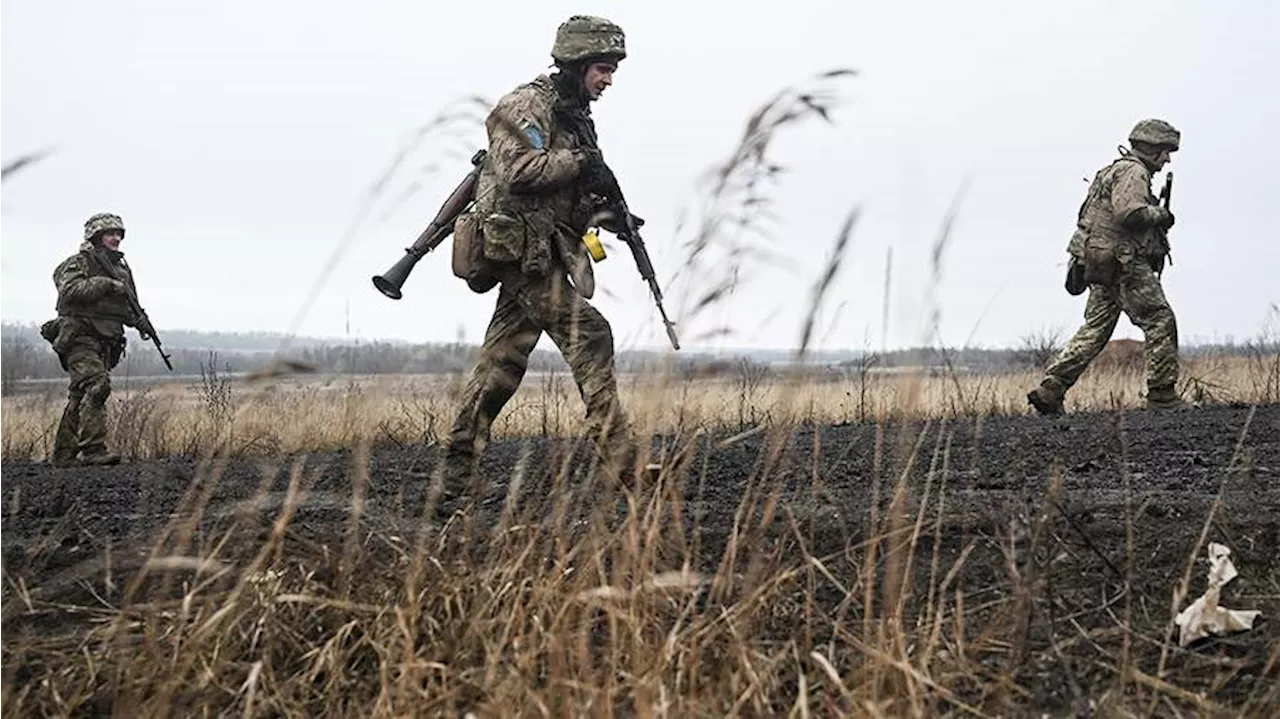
<point>1047,399</point>
<point>63,459</point>
<point>461,471</point>
<point>100,457</point>
<point>1160,398</point>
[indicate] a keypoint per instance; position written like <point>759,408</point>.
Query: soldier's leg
<point>1144,301</point>
<point>1101,312</point>
<point>66,443</point>
<point>499,369</point>
<point>585,339</point>
<point>92,366</point>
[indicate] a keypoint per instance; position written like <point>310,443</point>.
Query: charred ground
<point>1103,551</point>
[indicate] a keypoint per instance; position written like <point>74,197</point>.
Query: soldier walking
<point>1118,251</point>
<point>94,286</point>
<point>540,187</point>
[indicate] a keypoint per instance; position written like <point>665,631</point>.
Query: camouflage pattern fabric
<point>586,36</point>
<point>89,339</point>
<point>528,189</point>
<point>86,290</point>
<point>1157,133</point>
<point>530,202</point>
<point>83,427</point>
<point>1140,296</point>
<point>101,222</point>
<point>523,312</point>
<point>1119,208</point>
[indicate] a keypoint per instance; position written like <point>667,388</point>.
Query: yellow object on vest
<point>592,240</point>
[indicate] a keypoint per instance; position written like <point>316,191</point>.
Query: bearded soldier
<point>1118,251</point>
<point>540,187</point>
<point>94,286</point>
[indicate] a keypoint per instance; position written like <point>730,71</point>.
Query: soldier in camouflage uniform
<point>535,197</point>
<point>88,335</point>
<point>1120,241</point>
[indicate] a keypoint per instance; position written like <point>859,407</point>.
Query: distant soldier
<point>1118,251</point>
<point>94,286</point>
<point>538,191</point>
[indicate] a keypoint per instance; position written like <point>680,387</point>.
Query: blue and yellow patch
<point>536,138</point>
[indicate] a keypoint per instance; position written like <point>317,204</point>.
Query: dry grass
<point>571,607</point>
<point>192,420</point>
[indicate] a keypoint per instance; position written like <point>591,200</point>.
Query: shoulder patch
<point>535,135</point>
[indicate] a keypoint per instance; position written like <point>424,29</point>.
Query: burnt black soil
<point>1156,474</point>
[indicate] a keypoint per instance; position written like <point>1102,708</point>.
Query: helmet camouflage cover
<point>101,222</point>
<point>584,36</point>
<point>1155,132</point>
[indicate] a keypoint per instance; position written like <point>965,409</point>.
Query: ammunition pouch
<point>469,254</point>
<point>58,338</point>
<point>114,351</point>
<point>504,237</point>
<point>49,330</point>
<point>1101,262</point>
<point>1075,283</point>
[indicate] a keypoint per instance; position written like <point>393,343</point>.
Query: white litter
<point>1204,616</point>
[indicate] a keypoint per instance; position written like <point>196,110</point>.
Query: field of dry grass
<point>762,574</point>
<point>321,415</point>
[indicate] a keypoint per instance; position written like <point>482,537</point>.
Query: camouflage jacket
<point>1118,208</point>
<point>85,293</point>
<point>528,196</point>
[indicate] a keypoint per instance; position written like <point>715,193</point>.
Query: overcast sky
<point>239,141</point>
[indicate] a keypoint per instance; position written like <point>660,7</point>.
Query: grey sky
<point>238,139</point>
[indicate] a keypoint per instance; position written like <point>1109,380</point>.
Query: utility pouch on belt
<point>468,254</point>
<point>1101,265</point>
<point>504,238</point>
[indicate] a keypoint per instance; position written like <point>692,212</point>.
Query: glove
<point>1157,216</point>
<point>611,222</point>
<point>595,174</point>
<point>103,286</point>
<point>145,330</point>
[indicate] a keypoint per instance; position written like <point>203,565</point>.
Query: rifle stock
<point>440,227</point>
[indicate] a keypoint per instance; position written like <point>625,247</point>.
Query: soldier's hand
<point>1158,216</point>
<point>610,221</point>
<point>103,286</point>
<point>595,174</point>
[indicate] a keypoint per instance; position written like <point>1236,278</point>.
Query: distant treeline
<point>27,356</point>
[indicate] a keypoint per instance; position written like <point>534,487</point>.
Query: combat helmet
<point>1155,132</point>
<point>101,222</point>
<point>586,36</point>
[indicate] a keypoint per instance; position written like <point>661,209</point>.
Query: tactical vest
<point>113,306</point>
<point>1097,217</point>
<point>533,232</point>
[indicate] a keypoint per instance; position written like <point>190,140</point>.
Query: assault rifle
<point>629,232</point>
<point>143,321</point>
<point>1166,195</point>
<point>440,227</point>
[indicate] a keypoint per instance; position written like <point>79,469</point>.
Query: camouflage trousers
<point>83,427</point>
<point>585,340</point>
<point>1138,295</point>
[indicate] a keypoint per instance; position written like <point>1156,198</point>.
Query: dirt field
<point>1040,596</point>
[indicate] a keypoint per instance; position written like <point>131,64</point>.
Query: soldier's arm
<point>1131,199</point>
<point>74,283</point>
<point>518,139</point>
